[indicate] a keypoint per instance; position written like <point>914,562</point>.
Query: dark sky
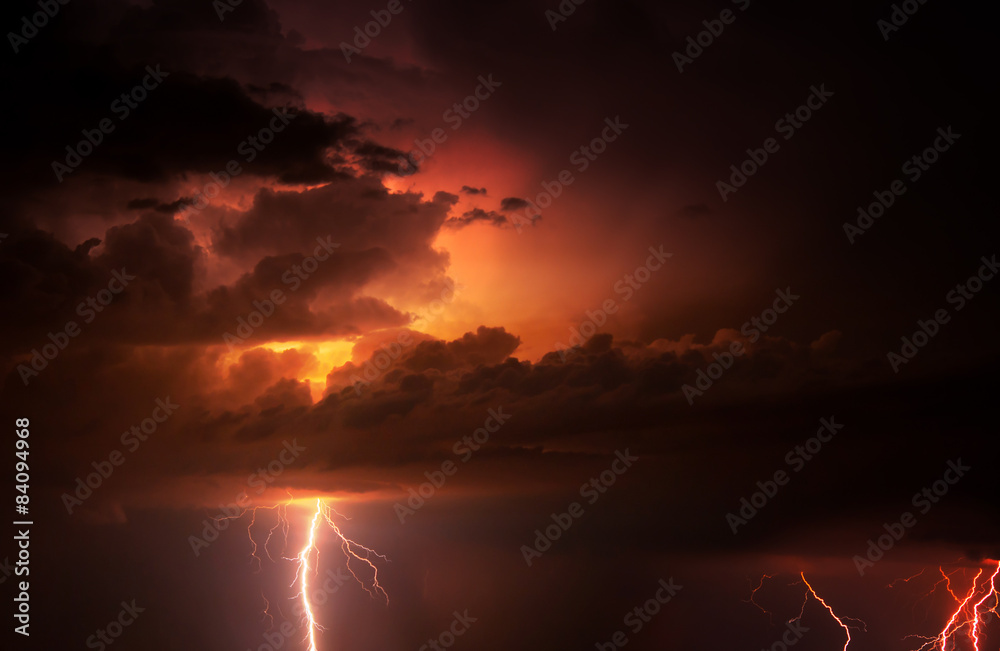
<point>250,256</point>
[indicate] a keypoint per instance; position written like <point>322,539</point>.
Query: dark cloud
<point>163,302</point>
<point>610,395</point>
<point>486,346</point>
<point>142,204</point>
<point>467,190</point>
<point>170,208</point>
<point>477,215</point>
<point>166,135</point>
<point>275,94</point>
<point>377,158</point>
<point>508,204</point>
<point>445,197</point>
<point>358,215</point>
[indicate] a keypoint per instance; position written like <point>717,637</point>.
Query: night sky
<point>559,325</point>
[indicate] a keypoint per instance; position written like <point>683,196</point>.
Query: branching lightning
<point>281,525</point>
<point>307,560</point>
<point>974,606</point>
<point>971,613</point>
<point>324,512</point>
<point>846,623</point>
<point>843,625</point>
<point>753,596</point>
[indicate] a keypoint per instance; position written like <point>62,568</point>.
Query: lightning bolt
<point>753,596</point>
<point>907,579</point>
<point>354,551</point>
<point>977,618</point>
<point>847,625</point>
<point>303,571</point>
<point>266,613</point>
<point>281,525</point>
<point>969,615</point>
<point>946,580</point>
<point>847,629</point>
<point>307,560</point>
<point>973,607</point>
